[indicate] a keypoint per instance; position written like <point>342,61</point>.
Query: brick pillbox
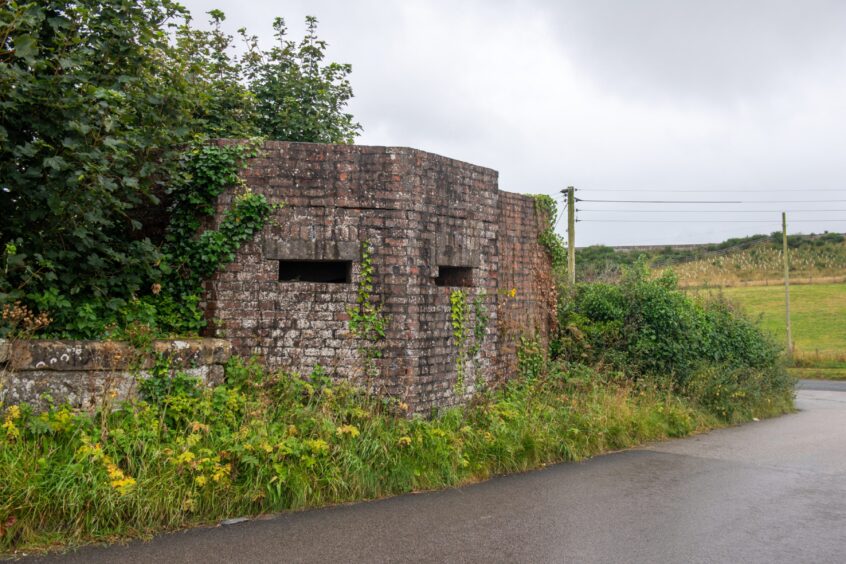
<point>435,225</point>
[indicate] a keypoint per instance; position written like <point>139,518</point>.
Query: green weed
<point>265,443</point>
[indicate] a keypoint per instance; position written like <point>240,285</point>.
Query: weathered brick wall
<point>527,298</point>
<point>419,211</point>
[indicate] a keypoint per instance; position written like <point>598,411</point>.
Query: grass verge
<point>266,443</point>
<point>817,314</point>
<point>818,373</point>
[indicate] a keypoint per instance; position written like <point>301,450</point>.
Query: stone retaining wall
<point>83,373</point>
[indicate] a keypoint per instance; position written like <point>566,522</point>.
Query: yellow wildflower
<point>404,441</point>
<point>114,472</point>
<point>350,430</point>
<point>12,432</point>
<point>184,458</point>
<point>12,414</point>
<point>317,446</point>
<point>200,480</point>
<point>221,473</point>
<point>124,485</point>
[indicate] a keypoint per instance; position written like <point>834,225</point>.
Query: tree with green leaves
<point>298,96</point>
<point>102,105</point>
<point>94,104</point>
<point>226,108</point>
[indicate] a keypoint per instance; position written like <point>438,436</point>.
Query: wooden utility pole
<point>571,235</point>
<point>786,282</point>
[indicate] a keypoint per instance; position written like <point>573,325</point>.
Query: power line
<point>664,201</point>
<point>710,190</point>
<point>711,211</point>
<point>706,220</point>
<point>710,201</point>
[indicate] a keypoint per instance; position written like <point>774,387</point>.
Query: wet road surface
<point>771,491</point>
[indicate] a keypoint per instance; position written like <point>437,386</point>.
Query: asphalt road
<point>771,491</point>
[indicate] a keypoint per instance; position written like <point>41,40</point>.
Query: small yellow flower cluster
<point>350,430</point>
<point>317,446</point>
<point>184,458</point>
<point>59,421</point>
<point>207,464</point>
<point>359,413</point>
<point>12,414</point>
<point>117,479</point>
<point>404,441</point>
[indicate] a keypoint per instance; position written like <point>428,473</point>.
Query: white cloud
<point>662,94</point>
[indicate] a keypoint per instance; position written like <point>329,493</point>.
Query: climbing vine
<point>163,295</point>
<point>468,340</point>
<point>551,241</point>
<point>367,321</point>
<point>458,316</point>
<point>189,259</point>
<point>550,284</point>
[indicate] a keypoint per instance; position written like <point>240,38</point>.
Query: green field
<point>818,320</point>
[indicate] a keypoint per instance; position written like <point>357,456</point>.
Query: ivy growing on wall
<point>467,339</point>
<point>168,295</point>
<point>367,321</point>
<point>553,242</point>
<point>458,317</point>
<point>189,259</point>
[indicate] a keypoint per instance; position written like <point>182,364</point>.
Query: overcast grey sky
<point>654,94</point>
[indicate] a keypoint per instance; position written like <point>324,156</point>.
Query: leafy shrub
<point>647,327</point>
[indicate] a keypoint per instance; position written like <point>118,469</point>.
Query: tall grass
<point>271,442</point>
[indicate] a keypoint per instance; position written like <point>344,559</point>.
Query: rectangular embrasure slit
<point>454,276</point>
<point>324,271</point>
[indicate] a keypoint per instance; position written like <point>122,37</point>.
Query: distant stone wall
<point>436,225</point>
<point>83,373</point>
